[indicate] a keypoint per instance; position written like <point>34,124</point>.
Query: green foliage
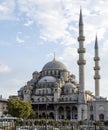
<point>98,123</point>
<point>19,108</point>
<point>106,123</point>
<point>42,122</point>
<point>5,113</point>
<point>52,122</point>
<point>81,122</point>
<point>32,114</point>
<point>65,122</point>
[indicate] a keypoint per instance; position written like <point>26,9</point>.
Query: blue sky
<point>32,30</point>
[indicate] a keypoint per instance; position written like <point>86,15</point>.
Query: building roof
<point>47,79</point>
<point>69,85</point>
<point>54,65</point>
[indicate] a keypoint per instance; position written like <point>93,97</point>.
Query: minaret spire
<point>80,18</point>
<point>81,62</point>
<point>54,57</point>
<point>96,69</point>
<point>96,43</point>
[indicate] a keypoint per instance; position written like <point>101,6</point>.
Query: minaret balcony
<point>81,62</point>
<point>97,68</point>
<point>81,38</point>
<point>97,77</point>
<point>81,50</point>
<point>96,58</point>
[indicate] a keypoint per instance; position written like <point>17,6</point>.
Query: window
<point>46,91</point>
<point>91,117</point>
<point>38,99</point>
<point>43,91</point>
<point>101,117</point>
<point>91,108</point>
<point>66,99</point>
<point>67,91</point>
<point>42,99</point>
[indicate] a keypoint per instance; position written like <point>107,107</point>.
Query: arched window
<point>42,99</point>
<point>38,99</point>
<point>74,112</point>
<point>68,113</point>
<point>66,99</point>
<point>67,91</point>
<point>61,112</point>
<point>46,91</point>
<point>70,99</point>
<point>43,91</point>
<point>91,108</point>
<point>101,117</point>
<point>91,117</point>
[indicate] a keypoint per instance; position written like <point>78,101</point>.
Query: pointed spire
<point>96,42</point>
<point>80,19</point>
<point>96,69</point>
<point>54,57</point>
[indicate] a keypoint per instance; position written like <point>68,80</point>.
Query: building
<point>3,105</point>
<point>55,93</point>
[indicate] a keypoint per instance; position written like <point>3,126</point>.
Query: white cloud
<point>104,49</point>
<point>55,19</point>
<point>4,68</point>
<point>28,23</point>
<point>50,16</point>
<point>7,8</point>
<point>19,40</point>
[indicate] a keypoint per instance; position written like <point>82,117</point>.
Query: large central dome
<point>54,65</point>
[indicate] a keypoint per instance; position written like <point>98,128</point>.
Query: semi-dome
<point>69,85</point>
<point>47,79</point>
<point>54,65</point>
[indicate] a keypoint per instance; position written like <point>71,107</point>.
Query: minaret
<point>81,62</point>
<point>54,57</point>
<point>96,69</point>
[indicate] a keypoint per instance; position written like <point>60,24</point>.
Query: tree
<point>32,114</point>
<point>5,113</point>
<point>106,123</point>
<point>19,108</point>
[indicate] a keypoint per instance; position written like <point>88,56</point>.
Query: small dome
<point>47,79</point>
<point>69,85</point>
<point>54,65</point>
<point>35,72</point>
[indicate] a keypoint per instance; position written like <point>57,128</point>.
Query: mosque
<point>56,94</point>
